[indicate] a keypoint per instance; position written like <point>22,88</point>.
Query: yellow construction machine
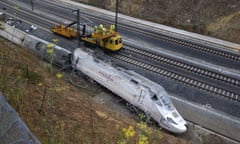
<point>64,30</point>
<point>101,37</point>
<point>105,38</point>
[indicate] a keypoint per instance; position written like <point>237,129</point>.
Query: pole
<point>32,4</point>
<point>78,28</point>
<point>116,16</point>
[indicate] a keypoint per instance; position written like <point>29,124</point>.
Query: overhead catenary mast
<point>78,22</point>
<point>116,15</point>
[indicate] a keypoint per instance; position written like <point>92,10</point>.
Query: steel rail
<point>154,35</point>
<point>178,77</point>
<point>184,79</point>
<point>184,66</point>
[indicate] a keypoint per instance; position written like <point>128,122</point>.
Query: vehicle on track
<point>64,30</point>
<point>101,37</point>
<point>137,90</point>
<point>104,38</point>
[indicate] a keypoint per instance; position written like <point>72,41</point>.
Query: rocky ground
<point>220,19</point>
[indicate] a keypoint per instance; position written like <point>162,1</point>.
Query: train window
<point>166,102</point>
<point>175,115</point>
<point>159,103</point>
<point>120,40</point>
<point>40,46</point>
<point>111,41</point>
<point>171,120</point>
<point>134,81</point>
<point>155,98</point>
<point>97,61</point>
<point>116,41</point>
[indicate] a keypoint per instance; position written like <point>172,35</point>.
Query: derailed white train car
<point>132,87</point>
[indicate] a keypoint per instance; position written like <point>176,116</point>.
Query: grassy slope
<point>226,27</point>
<point>57,112</point>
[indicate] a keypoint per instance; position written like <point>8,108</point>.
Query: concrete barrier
<point>209,118</point>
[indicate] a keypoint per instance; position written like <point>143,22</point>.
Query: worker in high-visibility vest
<point>104,31</point>
<point>112,28</point>
<point>100,27</point>
<point>95,28</point>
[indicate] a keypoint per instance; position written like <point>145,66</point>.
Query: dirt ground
<point>58,112</point>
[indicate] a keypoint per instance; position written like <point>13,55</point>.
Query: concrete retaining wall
<point>209,118</point>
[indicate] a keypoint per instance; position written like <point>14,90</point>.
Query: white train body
<point>134,88</point>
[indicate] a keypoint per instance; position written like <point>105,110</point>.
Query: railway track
<point>178,77</point>
<point>175,41</point>
<point>151,34</point>
<point>184,66</point>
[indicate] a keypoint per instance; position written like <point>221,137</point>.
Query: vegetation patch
<point>223,22</point>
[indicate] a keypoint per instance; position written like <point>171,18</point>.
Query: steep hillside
<point>190,15</point>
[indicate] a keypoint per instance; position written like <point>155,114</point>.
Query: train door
<point>141,98</point>
<point>144,103</point>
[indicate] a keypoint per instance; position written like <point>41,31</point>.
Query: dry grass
<point>223,22</point>
<point>226,27</point>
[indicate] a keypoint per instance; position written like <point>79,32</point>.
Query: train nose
<point>182,129</point>
<point>179,129</point>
